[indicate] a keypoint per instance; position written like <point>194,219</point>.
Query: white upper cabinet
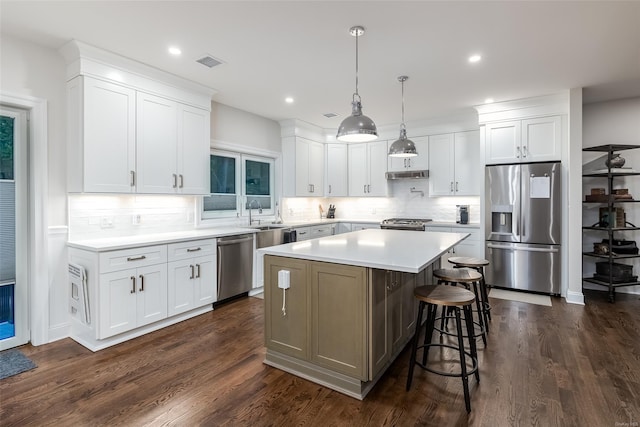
<point>302,167</point>
<point>521,141</point>
<point>367,168</point>
<point>420,162</point>
<point>337,178</point>
<point>123,139</point>
<point>454,164</point>
<point>170,151</point>
<point>102,139</point>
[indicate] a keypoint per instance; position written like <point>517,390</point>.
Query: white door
<point>14,323</point>
<point>109,137</point>
<point>467,163</point>
<point>441,181</point>
<point>377,168</point>
<point>358,178</point>
<point>337,180</point>
<point>502,142</point>
<point>151,294</point>
<point>193,150</point>
<point>180,286</point>
<point>541,139</point>
<point>156,144</point>
<point>118,306</point>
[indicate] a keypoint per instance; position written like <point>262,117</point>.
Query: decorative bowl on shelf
<point>616,161</point>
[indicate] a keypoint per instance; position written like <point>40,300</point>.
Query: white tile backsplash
<point>400,203</point>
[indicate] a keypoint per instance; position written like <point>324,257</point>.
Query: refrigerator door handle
<point>514,248</point>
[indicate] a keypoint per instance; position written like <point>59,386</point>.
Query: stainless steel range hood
<point>407,174</point>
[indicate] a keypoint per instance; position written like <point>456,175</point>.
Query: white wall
<point>613,122</point>
<point>239,127</point>
<point>29,69</point>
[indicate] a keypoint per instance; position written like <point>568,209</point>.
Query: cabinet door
<point>156,144</point>
<point>118,305</point>
<point>441,165</point>
<point>502,142</point>
<point>151,293</point>
<point>377,167</point>
<point>109,137</point>
<point>193,150</point>
<point>315,164</point>
<point>286,332</point>
<point>205,285</point>
<point>541,139</point>
<point>421,161</point>
<point>181,287</point>
<point>467,163</point>
<point>358,178</point>
<point>303,148</point>
<point>336,178</point>
<point>338,315</point>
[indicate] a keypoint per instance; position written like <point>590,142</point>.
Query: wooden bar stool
<point>477,264</point>
<point>470,280</point>
<point>455,298</point>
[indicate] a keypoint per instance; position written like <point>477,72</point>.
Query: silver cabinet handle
<point>193,249</point>
<point>368,188</point>
<point>141,283</point>
<point>456,186</point>
<point>133,178</point>
<point>197,270</point>
<point>181,181</point>
<point>133,285</point>
<point>313,188</point>
<point>192,272</point>
<point>136,258</point>
<point>329,188</point>
<point>524,151</point>
<point>175,180</point>
<point>518,153</point>
<point>365,188</point>
<point>451,186</point>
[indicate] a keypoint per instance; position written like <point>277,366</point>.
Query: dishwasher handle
<point>225,242</point>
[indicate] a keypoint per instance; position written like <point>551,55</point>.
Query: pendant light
<point>357,127</point>
<point>403,147</point>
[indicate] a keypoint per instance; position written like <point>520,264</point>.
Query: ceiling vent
<point>209,61</point>
<point>330,115</point>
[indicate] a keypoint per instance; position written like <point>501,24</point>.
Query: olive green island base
<point>340,326</point>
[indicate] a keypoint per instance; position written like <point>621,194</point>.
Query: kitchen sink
<point>270,235</point>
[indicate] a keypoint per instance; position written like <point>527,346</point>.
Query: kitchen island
<point>339,309</point>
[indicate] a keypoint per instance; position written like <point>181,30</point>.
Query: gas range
<point>415,224</point>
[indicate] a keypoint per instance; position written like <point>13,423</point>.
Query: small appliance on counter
<point>462,216</point>
<point>331,213</point>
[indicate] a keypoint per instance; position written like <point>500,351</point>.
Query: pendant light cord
<point>356,94</point>
<point>402,126</point>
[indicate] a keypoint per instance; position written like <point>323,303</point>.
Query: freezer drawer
<point>524,266</point>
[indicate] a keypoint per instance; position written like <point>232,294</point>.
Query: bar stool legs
<point>457,299</point>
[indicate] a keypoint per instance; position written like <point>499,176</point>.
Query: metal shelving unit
<point>611,203</point>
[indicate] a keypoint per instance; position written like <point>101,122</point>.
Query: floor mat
<point>13,362</point>
<point>520,297</point>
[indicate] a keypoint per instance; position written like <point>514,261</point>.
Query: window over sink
<point>239,181</point>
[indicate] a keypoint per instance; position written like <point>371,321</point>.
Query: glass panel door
<point>14,329</point>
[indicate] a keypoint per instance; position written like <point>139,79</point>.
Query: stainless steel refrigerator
<point>523,226</point>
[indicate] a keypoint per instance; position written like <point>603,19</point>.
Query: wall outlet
<point>106,222</point>
<point>135,219</point>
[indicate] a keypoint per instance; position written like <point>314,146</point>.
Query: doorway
<point>14,315</point>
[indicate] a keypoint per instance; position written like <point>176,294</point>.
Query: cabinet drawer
<point>303,233</point>
<point>184,250</point>
<point>131,258</point>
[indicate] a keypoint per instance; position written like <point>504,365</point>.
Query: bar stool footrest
<point>474,362</point>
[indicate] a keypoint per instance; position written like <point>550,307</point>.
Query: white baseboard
<point>256,291</point>
<point>575,298</point>
<point>59,332</point>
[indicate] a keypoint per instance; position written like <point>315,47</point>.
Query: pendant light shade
<point>403,147</point>
<point>357,127</point>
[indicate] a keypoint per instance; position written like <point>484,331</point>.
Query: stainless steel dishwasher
<point>235,265</point>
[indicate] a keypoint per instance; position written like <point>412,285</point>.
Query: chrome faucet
<point>250,209</point>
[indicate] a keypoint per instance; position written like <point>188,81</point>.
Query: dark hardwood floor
<point>564,365</point>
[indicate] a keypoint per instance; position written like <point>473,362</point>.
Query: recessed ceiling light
<point>475,58</point>
<point>488,100</point>
<point>174,50</point>
<point>288,100</point>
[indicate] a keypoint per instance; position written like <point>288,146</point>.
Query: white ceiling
<point>303,49</point>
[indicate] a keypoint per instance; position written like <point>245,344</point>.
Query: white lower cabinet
<point>137,290</point>
<point>469,247</point>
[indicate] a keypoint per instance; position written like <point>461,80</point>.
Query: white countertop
<point>397,250</point>
<point>116,243</point>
